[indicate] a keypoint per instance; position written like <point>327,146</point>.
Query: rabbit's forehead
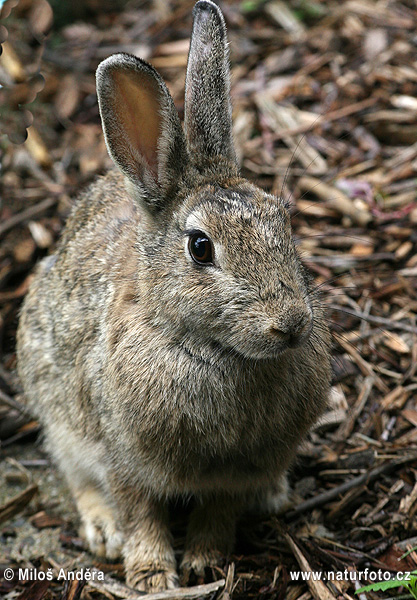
<point>228,213</point>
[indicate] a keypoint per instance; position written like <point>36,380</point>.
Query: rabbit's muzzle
<point>265,330</point>
<point>294,330</point>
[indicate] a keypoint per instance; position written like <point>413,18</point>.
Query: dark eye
<point>200,248</point>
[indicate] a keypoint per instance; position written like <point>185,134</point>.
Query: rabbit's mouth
<point>210,356</point>
<point>293,335</point>
<point>198,357</point>
<point>268,341</point>
<point>265,330</point>
<point>291,340</point>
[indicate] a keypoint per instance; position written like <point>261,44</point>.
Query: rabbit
<point>172,346</point>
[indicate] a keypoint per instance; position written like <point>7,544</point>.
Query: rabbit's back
<point>60,318</point>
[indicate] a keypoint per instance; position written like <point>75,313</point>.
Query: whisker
<point>308,166</point>
<point>330,235</point>
<point>356,270</point>
<point>293,157</point>
<point>377,320</point>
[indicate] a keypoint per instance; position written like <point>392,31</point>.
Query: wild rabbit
<point>172,347</point>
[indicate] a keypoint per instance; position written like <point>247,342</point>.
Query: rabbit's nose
<point>292,331</point>
<point>278,333</point>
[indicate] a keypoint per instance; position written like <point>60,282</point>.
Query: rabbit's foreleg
<point>210,533</point>
<point>148,554</point>
<point>98,522</point>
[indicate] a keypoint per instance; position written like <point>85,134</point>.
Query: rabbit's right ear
<point>141,127</point>
<point>208,108</point>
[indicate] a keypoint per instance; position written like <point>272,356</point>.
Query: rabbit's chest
<point>188,426</point>
<point>192,464</point>
<point>223,442</point>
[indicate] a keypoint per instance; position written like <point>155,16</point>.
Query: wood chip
<point>190,593</point>
<point>407,502</point>
<point>17,503</point>
<point>396,343</point>
<point>335,199</point>
<point>346,428</point>
<point>318,589</point>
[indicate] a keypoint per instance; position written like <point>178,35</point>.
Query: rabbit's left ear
<point>208,109</point>
<point>141,127</point>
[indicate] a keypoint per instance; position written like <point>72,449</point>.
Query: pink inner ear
<point>136,108</point>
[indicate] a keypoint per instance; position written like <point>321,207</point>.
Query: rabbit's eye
<point>200,248</point>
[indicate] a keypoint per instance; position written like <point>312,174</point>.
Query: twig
<point>17,503</point>
<point>364,366</point>
<point>334,115</point>
<point>279,116</point>
<point>335,199</point>
<point>318,589</point>
<point>347,426</point>
<point>407,502</point>
<point>11,402</point>
<point>26,214</point>
<point>340,261</point>
<point>126,593</point>
<point>388,323</point>
<point>228,588</point>
<point>329,495</point>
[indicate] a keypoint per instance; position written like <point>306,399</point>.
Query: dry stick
<point>17,503</point>
<point>329,495</point>
<point>336,199</point>
<point>389,324</point>
<point>175,16</point>
<point>278,117</point>
<point>406,503</point>
<point>318,589</point>
<point>191,593</point>
<point>341,261</point>
<point>26,214</point>
<point>228,588</point>
<point>72,591</point>
<point>11,402</point>
<point>394,489</point>
<point>363,365</point>
<point>346,428</point>
<point>331,116</point>
<point>413,364</point>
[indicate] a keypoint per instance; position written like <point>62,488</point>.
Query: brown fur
<point>156,377</point>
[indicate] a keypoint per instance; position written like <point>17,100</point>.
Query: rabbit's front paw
<point>103,538</point>
<point>152,578</point>
<point>275,499</point>
<point>196,560</point>
<point>98,524</point>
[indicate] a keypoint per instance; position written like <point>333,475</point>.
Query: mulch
<point>325,113</point>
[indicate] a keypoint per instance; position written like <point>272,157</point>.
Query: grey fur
<point>208,109</point>
<point>155,377</point>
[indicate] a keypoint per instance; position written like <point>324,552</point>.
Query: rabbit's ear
<point>141,126</point>
<point>208,108</point>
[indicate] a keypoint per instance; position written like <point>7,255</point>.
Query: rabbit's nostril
<point>292,333</point>
<point>302,326</point>
<point>278,333</point>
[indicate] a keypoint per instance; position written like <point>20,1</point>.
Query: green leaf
<point>412,586</point>
<point>382,586</point>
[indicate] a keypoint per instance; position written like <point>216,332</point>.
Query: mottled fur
<point>156,377</point>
